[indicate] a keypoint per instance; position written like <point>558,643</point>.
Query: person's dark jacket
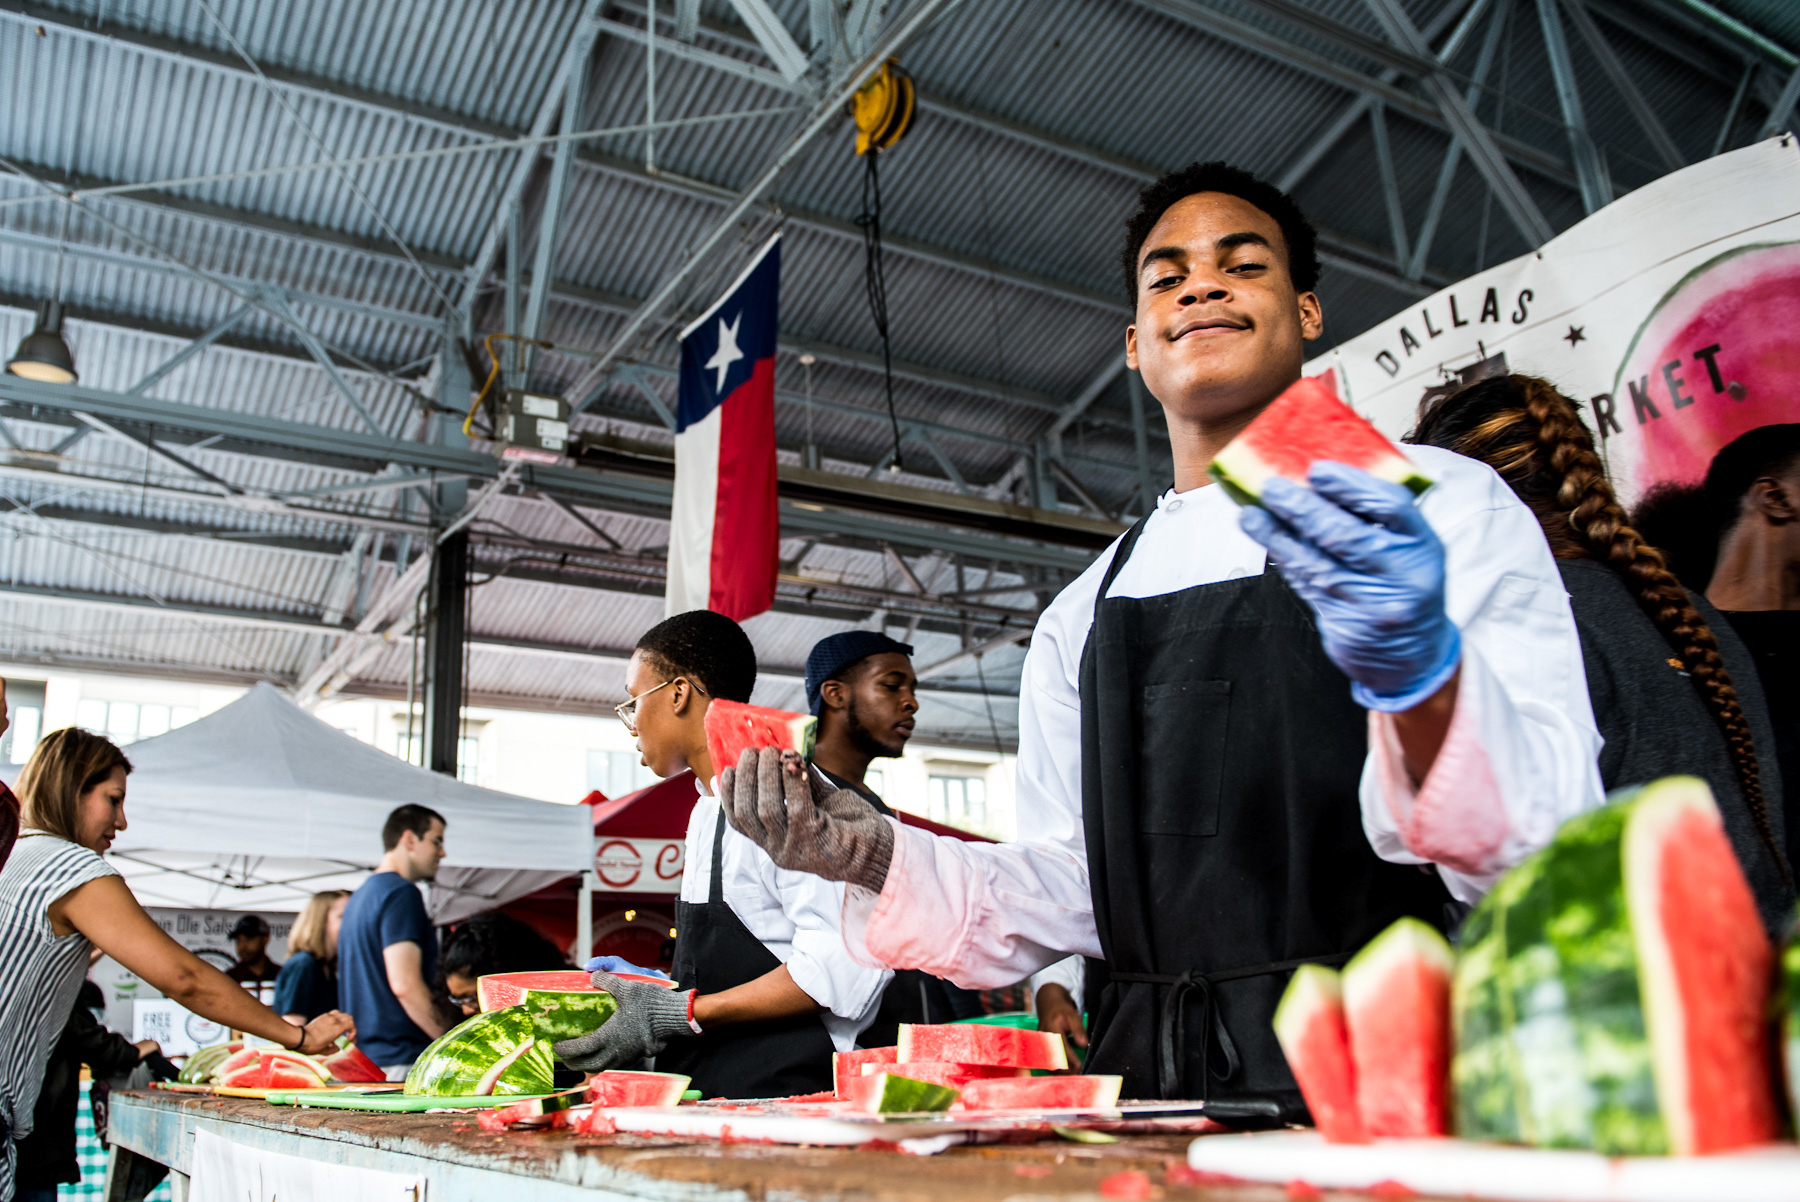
<point>47,1155</point>
<point>9,822</point>
<point>306,985</point>
<point>1773,639</point>
<point>1656,723</point>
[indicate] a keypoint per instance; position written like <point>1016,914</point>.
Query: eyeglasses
<point>627,709</point>
<point>464,1002</point>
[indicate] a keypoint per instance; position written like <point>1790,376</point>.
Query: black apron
<point>911,996</point>
<point>1221,754</point>
<point>714,952</point>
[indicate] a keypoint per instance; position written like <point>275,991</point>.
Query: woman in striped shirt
<point>58,898</point>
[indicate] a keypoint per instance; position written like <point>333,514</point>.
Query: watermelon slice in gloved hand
<point>1309,1024</point>
<point>1397,1011</point>
<point>498,990</point>
<point>620,1087</point>
<point>888,1093</point>
<point>1303,425</point>
<point>495,1052</point>
<point>1612,991</point>
<point>733,728</point>
<point>564,1005</point>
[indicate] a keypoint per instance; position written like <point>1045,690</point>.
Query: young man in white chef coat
<point>767,990</point>
<point>1248,739</point>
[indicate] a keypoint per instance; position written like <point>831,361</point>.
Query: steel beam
<point>773,37</point>
<point>550,219</point>
<point>1440,192</point>
<point>1390,183</point>
<point>446,633</point>
<point>1735,111</point>
<point>194,347</point>
<point>1783,108</point>
<point>1596,187</point>
<point>1616,74</point>
<point>1140,428</point>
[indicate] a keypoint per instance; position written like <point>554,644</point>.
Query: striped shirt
<point>40,972</point>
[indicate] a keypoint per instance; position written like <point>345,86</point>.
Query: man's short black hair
<point>1767,451</point>
<point>1159,197</point>
<point>417,819</point>
<point>706,646</point>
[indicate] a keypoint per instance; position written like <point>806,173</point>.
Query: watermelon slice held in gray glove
<point>647,1018</point>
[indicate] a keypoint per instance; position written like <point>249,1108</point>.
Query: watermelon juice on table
<point>1305,424</point>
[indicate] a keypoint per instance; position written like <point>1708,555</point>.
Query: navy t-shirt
<point>386,909</point>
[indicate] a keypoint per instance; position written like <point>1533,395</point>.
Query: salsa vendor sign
<point>1672,315</point>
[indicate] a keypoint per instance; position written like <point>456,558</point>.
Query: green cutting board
<point>396,1104</point>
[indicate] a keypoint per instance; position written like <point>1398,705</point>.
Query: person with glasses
<point>766,989</point>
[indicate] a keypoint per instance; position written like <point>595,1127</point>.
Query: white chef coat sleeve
<point>1069,972</point>
<point>985,915</point>
<point>1521,753</point>
<point>819,961</point>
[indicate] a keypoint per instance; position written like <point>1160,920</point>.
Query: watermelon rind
<point>1790,980</point>
<point>628,1087</point>
<point>455,1063</point>
<point>889,1093</point>
<point>1307,414</point>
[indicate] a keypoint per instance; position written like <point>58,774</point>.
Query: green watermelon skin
<point>1551,1045</point>
<point>558,1015</point>
<point>456,1061</point>
<point>1790,1035</point>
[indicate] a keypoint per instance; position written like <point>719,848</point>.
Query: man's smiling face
<point>1220,330</point>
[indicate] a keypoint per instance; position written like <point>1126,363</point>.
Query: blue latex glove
<point>620,964</point>
<point>1360,553</point>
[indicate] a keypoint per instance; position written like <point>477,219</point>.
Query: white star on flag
<point>728,352</point>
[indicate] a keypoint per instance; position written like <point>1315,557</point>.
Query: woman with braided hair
<point>1673,689</point>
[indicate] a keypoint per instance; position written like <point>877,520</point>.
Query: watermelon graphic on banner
<point>724,529</point>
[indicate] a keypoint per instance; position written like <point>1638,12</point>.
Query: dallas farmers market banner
<point>1673,315</point>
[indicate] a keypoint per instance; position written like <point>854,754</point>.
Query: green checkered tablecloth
<point>90,1153</point>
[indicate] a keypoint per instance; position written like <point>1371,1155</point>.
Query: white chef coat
<point>1520,756</point>
<point>793,914</point>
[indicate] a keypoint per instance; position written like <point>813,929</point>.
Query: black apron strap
<point>1119,559</point>
<point>715,889</point>
<point>1171,1042</point>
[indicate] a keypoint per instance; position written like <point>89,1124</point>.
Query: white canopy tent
<point>260,804</point>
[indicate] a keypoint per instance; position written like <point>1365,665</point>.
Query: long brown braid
<point>1534,437</point>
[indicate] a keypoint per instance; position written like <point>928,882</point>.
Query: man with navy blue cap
<point>861,686</point>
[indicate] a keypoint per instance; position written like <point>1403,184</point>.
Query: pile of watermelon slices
<point>1611,993</point>
<point>966,1066</point>
<point>237,1067</point>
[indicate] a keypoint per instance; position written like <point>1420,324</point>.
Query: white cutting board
<point>1453,1168</point>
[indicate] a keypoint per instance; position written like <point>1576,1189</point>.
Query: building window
<point>957,800</point>
<point>468,753</point>
<point>25,700</point>
<point>616,773</point>
<point>875,780</point>
<point>128,721</point>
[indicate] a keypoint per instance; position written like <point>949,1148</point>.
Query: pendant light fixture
<point>44,355</point>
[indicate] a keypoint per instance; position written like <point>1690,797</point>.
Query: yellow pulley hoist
<point>882,108</point>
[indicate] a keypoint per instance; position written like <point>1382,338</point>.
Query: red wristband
<point>692,994</point>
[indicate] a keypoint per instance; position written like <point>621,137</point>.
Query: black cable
<point>875,284</point>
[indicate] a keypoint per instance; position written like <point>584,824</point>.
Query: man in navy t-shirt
<point>387,949</point>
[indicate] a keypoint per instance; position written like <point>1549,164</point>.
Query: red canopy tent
<point>639,846</point>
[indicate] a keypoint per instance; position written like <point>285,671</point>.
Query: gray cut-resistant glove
<point>647,1018</point>
<point>804,824</point>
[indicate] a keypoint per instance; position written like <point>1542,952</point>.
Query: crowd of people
<point>1242,735</point>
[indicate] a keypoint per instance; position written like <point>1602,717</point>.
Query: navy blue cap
<point>832,654</point>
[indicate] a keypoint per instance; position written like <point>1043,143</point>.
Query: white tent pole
<point>584,919</point>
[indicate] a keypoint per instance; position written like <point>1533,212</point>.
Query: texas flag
<point>724,532</point>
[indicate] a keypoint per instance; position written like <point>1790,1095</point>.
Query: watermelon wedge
<point>496,991</point>
<point>284,1072</point>
<point>495,1052</point>
<point>945,1073</point>
<point>887,1093</point>
<point>237,1062</point>
<point>1309,1023</point>
<point>977,1043</point>
<point>533,1111</point>
<point>846,1067</point>
<point>619,1088</point>
<point>1612,990</point>
<point>352,1066</point>
<point>1042,1093</point>
<point>1397,1010</point>
<point>1303,425</point>
<point>199,1067</point>
<point>271,1068</point>
<point>733,728</point>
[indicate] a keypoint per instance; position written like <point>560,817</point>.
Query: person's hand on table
<point>647,1018</point>
<point>1360,553</point>
<point>1058,1013</point>
<point>321,1034</point>
<point>781,805</point>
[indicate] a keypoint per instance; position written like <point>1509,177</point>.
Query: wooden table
<point>463,1162</point>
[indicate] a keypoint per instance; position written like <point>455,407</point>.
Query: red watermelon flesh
<point>1397,1010</point>
<point>496,991</point>
<point>733,728</point>
<point>846,1067</point>
<point>237,1062</point>
<point>352,1066</point>
<point>943,1072</point>
<point>1042,1093</point>
<point>283,1073</point>
<point>977,1043</point>
<point>253,1075</point>
<point>1303,425</point>
<point>620,1088</point>
<point>1309,1023</point>
<point>1706,973</point>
